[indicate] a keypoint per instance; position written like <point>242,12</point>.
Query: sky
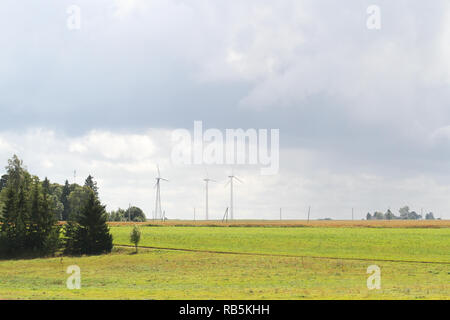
<point>362,113</point>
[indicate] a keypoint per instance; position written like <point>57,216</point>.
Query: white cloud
<point>125,8</point>
<point>114,146</point>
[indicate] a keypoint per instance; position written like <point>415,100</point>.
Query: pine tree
<point>65,201</point>
<point>36,204</point>
<point>8,226</point>
<point>15,233</point>
<point>22,220</point>
<point>91,183</point>
<point>47,224</point>
<point>27,225</point>
<point>90,233</point>
<point>3,181</point>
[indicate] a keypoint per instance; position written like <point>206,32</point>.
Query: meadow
<point>399,244</point>
<point>246,262</point>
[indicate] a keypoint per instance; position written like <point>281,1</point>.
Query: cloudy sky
<point>363,114</point>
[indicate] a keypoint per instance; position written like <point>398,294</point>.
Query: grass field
<point>362,243</point>
<point>279,263</point>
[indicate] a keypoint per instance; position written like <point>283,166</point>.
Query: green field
<point>362,243</point>
<point>319,264</point>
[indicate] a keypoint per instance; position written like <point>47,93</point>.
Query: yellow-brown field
<point>299,223</point>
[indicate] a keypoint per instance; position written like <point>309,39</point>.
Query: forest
<point>40,218</point>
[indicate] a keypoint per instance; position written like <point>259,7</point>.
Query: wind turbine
<point>207,180</point>
<point>158,212</point>
<point>232,177</point>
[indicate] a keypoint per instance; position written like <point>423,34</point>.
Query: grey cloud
<point>362,101</point>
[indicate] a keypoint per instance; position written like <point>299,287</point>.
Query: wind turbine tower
<point>232,177</point>
<point>207,180</point>
<point>158,212</point>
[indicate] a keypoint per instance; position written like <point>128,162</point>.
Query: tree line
<point>30,211</point>
<point>133,214</point>
<point>404,214</point>
<point>68,200</point>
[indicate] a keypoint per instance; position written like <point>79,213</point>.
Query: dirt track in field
<point>281,255</point>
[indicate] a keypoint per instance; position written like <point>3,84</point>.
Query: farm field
<point>399,244</point>
<point>318,263</point>
<point>298,223</point>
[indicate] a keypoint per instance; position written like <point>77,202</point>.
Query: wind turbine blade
<point>164,179</point>
<point>227,183</point>
<point>239,179</point>
<point>159,174</point>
